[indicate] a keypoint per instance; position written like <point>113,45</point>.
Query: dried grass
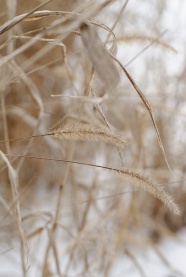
<point>60,67</point>
<point>88,132</point>
<point>102,62</point>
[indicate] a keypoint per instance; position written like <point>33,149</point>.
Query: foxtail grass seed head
<point>88,132</point>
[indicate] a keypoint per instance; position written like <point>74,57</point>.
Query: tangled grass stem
<point>148,184</point>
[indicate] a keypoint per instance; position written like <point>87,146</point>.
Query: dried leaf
<point>100,58</point>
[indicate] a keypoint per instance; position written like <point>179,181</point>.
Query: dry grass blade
<point>11,23</point>
<point>95,100</point>
<point>15,195</point>
<point>148,184</point>
<point>99,109</point>
<point>88,132</point>
<point>118,18</point>
<point>4,252</point>
<point>142,38</point>
<point>148,106</point>
<point>133,259</point>
<point>71,26</point>
<point>32,15</point>
<point>35,232</point>
<point>99,57</point>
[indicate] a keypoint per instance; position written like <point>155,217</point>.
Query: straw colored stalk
<point>146,183</point>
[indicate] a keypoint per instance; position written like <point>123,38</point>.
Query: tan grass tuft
<point>85,131</point>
